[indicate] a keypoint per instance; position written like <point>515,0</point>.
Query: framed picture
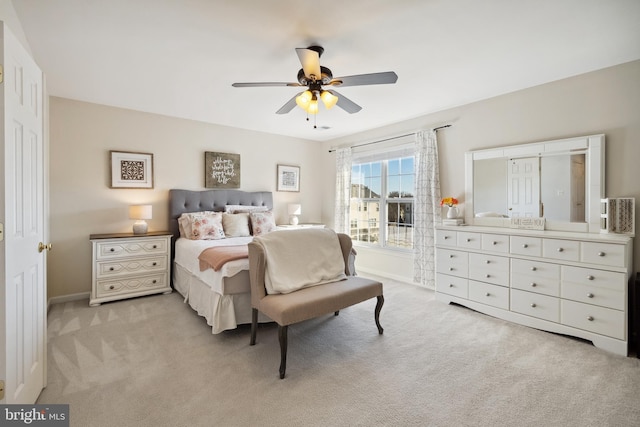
<point>131,170</point>
<point>221,170</point>
<point>288,178</point>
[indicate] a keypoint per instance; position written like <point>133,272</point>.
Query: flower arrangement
<point>449,201</point>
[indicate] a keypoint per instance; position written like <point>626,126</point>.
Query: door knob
<point>42,247</point>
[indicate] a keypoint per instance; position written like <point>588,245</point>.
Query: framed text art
<point>221,170</point>
<point>131,170</point>
<point>288,178</point>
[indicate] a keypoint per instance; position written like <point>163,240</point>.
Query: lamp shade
<point>140,212</point>
<point>328,99</point>
<point>295,209</point>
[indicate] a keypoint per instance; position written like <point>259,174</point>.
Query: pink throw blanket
<point>218,256</point>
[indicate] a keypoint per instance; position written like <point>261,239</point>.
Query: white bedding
<point>204,291</point>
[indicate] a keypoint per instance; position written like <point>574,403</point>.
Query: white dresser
<point>127,265</point>
<point>569,283</point>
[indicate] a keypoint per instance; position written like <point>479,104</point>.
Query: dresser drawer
<point>535,269</point>
<point>114,287</point>
<point>456,286</point>
<point>495,243</point>
<point>604,321</point>
<point>485,293</point>
<point>469,240</point>
<point>129,266</point>
<point>566,250</point>
<point>446,238</point>
<point>536,305</point>
<point>531,246</point>
<point>489,268</point>
<point>120,248</point>
<point>452,262</point>
<point>603,253</point>
<point>539,285</point>
<point>594,277</point>
<point>594,295</point>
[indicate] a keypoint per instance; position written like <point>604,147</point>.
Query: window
<point>387,184</point>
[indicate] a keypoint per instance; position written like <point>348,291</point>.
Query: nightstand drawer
<point>126,248</point>
<point>128,266</point>
<point>107,288</point>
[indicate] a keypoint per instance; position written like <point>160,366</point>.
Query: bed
<point>222,297</point>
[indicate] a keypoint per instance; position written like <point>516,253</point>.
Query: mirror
<point>559,180</point>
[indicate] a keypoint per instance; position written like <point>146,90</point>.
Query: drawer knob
<point>533,268</point>
<point>450,256</point>
<point>154,281</point>
<point>488,294</point>
<point>450,268</point>
<point>112,250</point>
<point>446,237</point>
<point>468,240</point>
<point>155,246</point>
<point>487,262</point>
<point>112,287</point>
<point>590,318</point>
<point>525,246</point>
<point>601,254</point>
<point>533,284</point>
<point>154,264</point>
<point>590,277</point>
<point>451,285</point>
<point>560,250</point>
<point>487,276</point>
<point>110,268</point>
<point>494,243</point>
<point>533,305</point>
<point>589,295</point>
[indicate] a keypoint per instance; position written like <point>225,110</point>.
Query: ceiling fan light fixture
<point>313,107</point>
<point>328,99</point>
<point>304,99</point>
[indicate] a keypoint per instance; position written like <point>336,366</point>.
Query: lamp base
<point>140,227</point>
<point>293,220</point>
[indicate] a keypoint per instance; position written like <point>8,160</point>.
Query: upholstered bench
<point>320,252</point>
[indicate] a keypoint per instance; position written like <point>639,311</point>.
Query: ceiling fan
<point>314,77</point>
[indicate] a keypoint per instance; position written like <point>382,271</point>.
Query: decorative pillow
<point>262,222</point>
<point>186,220</point>
<point>236,225</point>
<point>206,227</point>
<point>244,209</point>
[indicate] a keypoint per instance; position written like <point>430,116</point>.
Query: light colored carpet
<point>153,362</point>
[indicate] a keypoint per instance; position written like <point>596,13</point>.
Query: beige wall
<point>605,101</point>
<point>81,202</point>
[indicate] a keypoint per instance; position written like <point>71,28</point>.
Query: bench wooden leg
<point>282,335</point>
<point>336,313</point>
<point>377,313</point>
<point>254,325</point>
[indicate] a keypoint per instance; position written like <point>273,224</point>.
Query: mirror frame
<point>594,148</point>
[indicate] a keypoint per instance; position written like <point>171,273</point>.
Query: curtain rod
<point>393,137</point>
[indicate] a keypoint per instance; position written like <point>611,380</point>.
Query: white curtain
<point>343,190</point>
<point>427,207</point>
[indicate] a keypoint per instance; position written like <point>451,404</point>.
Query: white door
<point>524,187</point>
<point>23,281</point>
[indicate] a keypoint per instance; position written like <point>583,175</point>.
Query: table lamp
<point>140,213</point>
<point>294,211</point>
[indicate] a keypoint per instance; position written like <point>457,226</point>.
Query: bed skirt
<point>222,312</point>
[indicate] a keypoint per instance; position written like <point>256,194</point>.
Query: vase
<point>452,212</point>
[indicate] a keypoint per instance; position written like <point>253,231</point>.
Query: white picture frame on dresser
<point>127,265</point>
<point>569,283</point>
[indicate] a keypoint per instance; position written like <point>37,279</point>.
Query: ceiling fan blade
<point>290,105</point>
<point>310,60</point>
<point>345,103</point>
<point>265,84</point>
<point>384,78</point>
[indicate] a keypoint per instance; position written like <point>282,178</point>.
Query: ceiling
<point>179,57</point>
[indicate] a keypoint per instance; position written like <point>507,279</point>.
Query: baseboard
<point>386,274</point>
<point>67,298</point>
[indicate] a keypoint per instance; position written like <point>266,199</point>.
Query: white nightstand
<point>127,265</point>
<point>298,226</point>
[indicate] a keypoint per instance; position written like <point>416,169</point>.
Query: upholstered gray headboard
<point>181,201</point>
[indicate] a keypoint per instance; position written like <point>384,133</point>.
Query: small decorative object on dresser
<point>294,211</point>
<point>452,203</point>
<point>127,265</point>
